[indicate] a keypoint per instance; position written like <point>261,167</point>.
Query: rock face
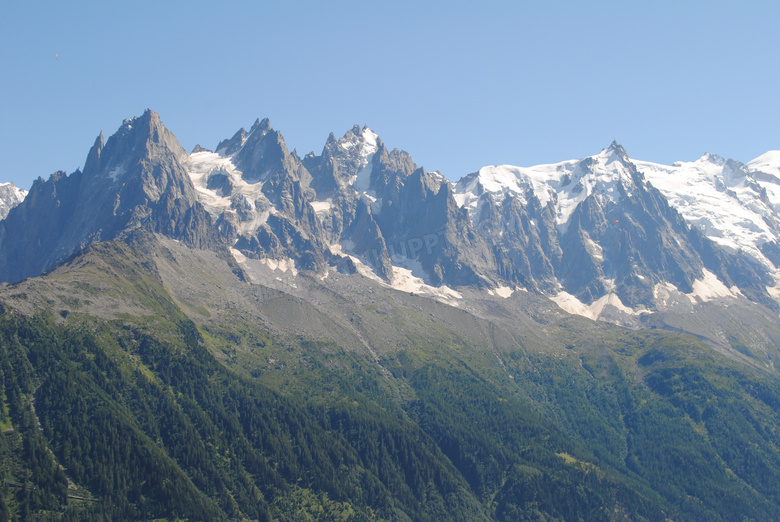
<point>388,211</point>
<point>606,233</point>
<point>10,196</point>
<point>134,180</point>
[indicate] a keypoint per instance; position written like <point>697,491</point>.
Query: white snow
<point>255,207</point>
<point>564,184</point>
<point>502,291</point>
<point>405,280</point>
<point>266,270</point>
<point>321,207</point>
<point>593,248</point>
<point>766,171</point>
<point>706,288</point>
<point>240,258</point>
<point>17,194</point>
<point>10,196</point>
<point>362,268</point>
<point>666,295</point>
<point>724,202</point>
<point>283,265</point>
<point>768,162</point>
<point>573,305</point>
<point>663,293</point>
<point>368,148</point>
<point>710,287</point>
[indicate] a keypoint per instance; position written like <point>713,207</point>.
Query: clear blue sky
<point>458,85</point>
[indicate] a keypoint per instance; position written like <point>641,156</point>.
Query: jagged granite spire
<point>93,158</point>
<point>136,180</point>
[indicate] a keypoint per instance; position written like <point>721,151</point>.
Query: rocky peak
<point>264,156</point>
<point>93,158</point>
<point>329,143</point>
<point>138,141</point>
<point>345,163</point>
<point>135,181</point>
<point>709,157</point>
<point>155,138</point>
<point>616,151</point>
<point>232,145</point>
<point>261,126</point>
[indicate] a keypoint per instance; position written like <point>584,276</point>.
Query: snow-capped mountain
<point>608,234</point>
<point>10,196</point>
<point>605,236</point>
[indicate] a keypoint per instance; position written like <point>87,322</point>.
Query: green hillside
<point>122,401</point>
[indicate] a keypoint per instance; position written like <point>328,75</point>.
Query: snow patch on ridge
<point>321,208</point>
<point>362,268</point>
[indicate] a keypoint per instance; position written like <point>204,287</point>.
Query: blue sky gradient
<point>458,85</point>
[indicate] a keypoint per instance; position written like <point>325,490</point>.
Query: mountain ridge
<point>595,235</point>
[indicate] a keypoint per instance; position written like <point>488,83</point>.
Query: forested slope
<point>144,414</point>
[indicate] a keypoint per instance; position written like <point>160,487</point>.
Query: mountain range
<point>386,303</point>
<point>606,237</point>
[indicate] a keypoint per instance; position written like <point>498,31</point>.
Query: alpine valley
<point>245,334</point>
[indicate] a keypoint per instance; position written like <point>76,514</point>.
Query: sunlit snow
<point>564,184</point>
<point>573,305</point>
<point>502,291</point>
<point>246,196</point>
<point>720,200</point>
<point>368,148</point>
